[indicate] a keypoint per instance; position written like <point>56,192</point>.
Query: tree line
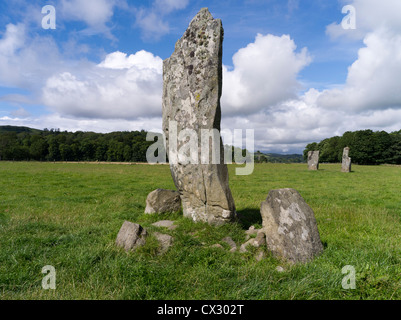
<point>366,147</point>
<point>25,144</point>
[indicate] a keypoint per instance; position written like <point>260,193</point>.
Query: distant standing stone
<point>163,201</point>
<point>313,160</point>
<point>131,236</point>
<point>346,164</point>
<point>192,87</point>
<point>290,226</point>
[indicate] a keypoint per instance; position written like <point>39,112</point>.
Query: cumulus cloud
<point>95,13</point>
<point>373,79</point>
<point>264,74</point>
<point>119,87</point>
<point>291,125</point>
<point>26,61</point>
<point>370,15</point>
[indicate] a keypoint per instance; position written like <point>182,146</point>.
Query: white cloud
<point>373,79</point>
<point>151,20</point>
<point>167,6</point>
<point>78,124</point>
<point>124,87</point>
<point>25,61</point>
<point>291,125</point>
<point>95,13</point>
<point>12,40</point>
<point>264,74</point>
<point>370,15</point>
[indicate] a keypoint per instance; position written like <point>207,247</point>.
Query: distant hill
<point>278,158</point>
<point>16,129</point>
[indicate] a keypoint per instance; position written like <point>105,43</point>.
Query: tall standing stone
<point>290,226</point>
<point>313,160</point>
<point>346,164</point>
<point>191,97</point>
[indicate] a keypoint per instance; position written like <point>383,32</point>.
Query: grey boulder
<point>163,201</point>
<point>290,226</point>
<point>131,236</point>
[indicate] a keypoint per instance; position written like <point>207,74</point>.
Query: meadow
<point>68,216</point>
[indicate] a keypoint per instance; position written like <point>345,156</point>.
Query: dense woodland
<point>26,144</point>
<point>366,147</point>
<point>20,143</point>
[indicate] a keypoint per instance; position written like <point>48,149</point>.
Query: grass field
<point>68,216</point>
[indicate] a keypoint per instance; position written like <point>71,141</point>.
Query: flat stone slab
<point>290,226</point>
<point>131,236</point>
<point>165,224</point>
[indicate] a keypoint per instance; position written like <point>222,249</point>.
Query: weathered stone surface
<point>163,201</point>
<point>252,230</point>
<point>290,226</point>
<point>346,164</point>
<point>131,236</point>
<point>164,224</point>
<point>260,239</point>
<point>257,242</point>
<point>260,256</point>
<point>313,160</point>
<point>165,240</point>
<point>231,243</point>
<point>192,89</point>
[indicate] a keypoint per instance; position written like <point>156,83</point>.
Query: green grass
<point>68,216</point>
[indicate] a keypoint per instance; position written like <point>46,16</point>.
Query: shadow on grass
<point>249,217</point>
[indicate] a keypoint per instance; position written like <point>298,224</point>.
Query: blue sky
<point>291,71</point>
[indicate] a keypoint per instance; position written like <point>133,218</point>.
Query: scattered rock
<point>290,226</point>
<point>252,231</point>
<point>165,224</point>
<point>165,240</point>
<point>280,269</point>
<point>257,242</point>
<point>313,160</point>
<point>231,243</point>
<point>131,236</point>
<point>192,87</point>
<point>163,201</point>
<point>260,256</point>
<point>217,245</point>
<point>260,239</point>
<point>244,246</point>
